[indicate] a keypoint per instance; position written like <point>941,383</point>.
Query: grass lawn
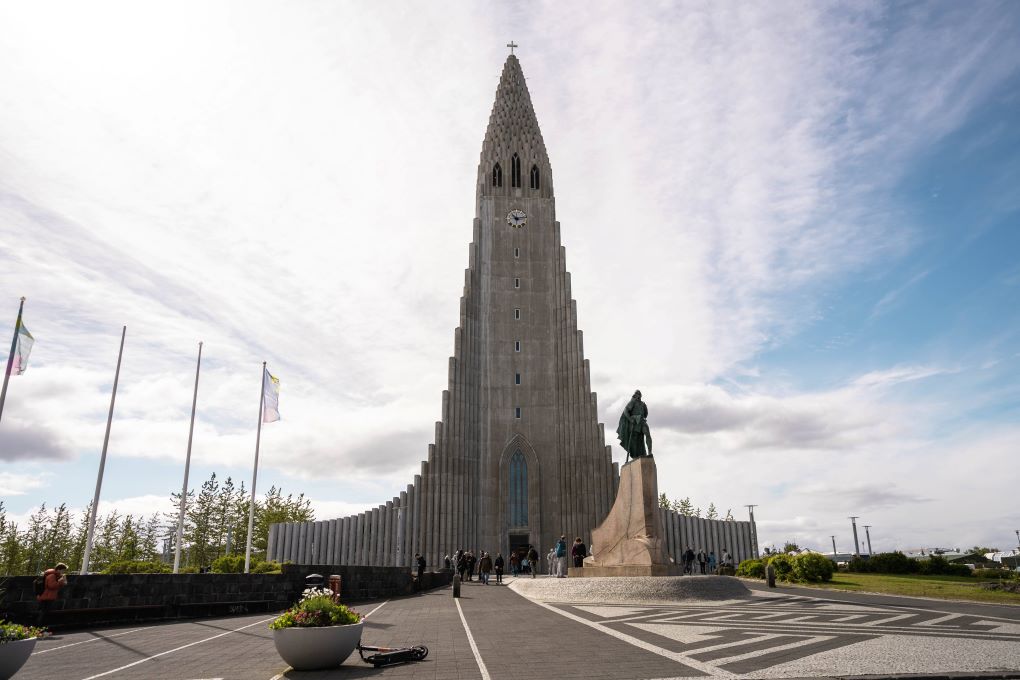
<point>942,587</point>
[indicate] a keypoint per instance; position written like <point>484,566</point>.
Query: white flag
<point>270,398</point>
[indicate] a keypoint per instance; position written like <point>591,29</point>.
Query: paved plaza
<point>494,632</point>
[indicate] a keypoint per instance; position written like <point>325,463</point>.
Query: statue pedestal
<point>629,542</point>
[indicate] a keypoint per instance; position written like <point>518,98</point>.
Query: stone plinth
<point>629,542</point>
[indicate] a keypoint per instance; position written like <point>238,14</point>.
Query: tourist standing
<point>578,551</point>
<point>533,559</point>
<point>471,562</point>
<point>484,568</point>
<point>52,581</point>
<point>420,562</point>
<point>561,557</point>
<point>515,563</point>
<point>446,561</point>
<point>498,566</point>
<point>688,561</point>
<point>701,561</point>
<point>550,559</point>
<point>711,562</point>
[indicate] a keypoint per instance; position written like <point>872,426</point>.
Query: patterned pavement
<point>494,633</point>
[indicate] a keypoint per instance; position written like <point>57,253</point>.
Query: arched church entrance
<point>519,498</point>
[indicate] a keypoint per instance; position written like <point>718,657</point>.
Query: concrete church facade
<point>519,456</point>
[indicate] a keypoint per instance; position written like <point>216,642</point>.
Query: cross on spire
<point>512,45</point>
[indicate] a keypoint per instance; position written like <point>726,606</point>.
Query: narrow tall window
<point>517,480</point>
<point>517,346</point>
<point>534,176</point>
<point>517,252</point>
<point>515,171</point>
<point>497,175</point>
<point>517,283</point>
<point>517,378</point>
<point>517,412</point>
<point>517,313</point>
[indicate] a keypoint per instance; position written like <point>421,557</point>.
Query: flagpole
<point>10,358</point>
<point>102,461</point>
<point>187,466</point>
<point>255,474</point>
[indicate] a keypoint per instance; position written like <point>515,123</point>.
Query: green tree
<point>664,501</point>
<point>684,507</point>
<point>697,512</point>
<point>729,515</point>
<point>711,513</point>
<point>789,547</point>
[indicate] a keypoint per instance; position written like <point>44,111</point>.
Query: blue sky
<point>815,204</point>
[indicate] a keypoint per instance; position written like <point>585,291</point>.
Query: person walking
<point>578,551</point>
<point>484,568</point>
<point>515,563</point>
<point>52,581</point>
<point>498,566</point>
<point>446,561</point>
<point>461,564</point>
<point>420,562</point>
<point>561,557</point>
<point>711,562</point>
<point>550,559</point>
<point>533,559</point>
<point>688,561</point>
<point>701,561</point>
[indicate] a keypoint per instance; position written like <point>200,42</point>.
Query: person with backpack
<point>561,557</point>
<point>533,560</point>
<point>498,565</point>
<point>47,587</point>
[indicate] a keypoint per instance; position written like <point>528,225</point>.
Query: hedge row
<point>806,566</point>
<point>898,563</point>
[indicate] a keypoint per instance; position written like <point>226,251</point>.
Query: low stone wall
<point>120,598</point>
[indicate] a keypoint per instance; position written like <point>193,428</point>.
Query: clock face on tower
<point>516,218</point>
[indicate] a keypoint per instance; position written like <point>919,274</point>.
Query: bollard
<point>334,585</point>
<point>770,575</point>
<point>456,585</point>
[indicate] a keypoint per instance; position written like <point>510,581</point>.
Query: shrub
<point>137,567</point>
<point>228,564</point>
<point>265,568</point>
<point>936,565</point>
<point>999,574</point>
<point>811,566</point>
<point>751,569</point>
<point>317,608</point>
<point>892,563</point>
<point>783,564</point>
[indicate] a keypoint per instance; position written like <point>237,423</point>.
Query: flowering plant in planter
<point>16,645</point>
<point>9,632</point>
<point>318,607</point>
<point>318,632</point>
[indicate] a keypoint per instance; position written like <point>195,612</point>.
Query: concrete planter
<point>309,649</point>
<point>13,656</point>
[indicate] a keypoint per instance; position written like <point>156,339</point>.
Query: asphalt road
<point>492,632</point>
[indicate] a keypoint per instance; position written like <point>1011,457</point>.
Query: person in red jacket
<point>53,580</point>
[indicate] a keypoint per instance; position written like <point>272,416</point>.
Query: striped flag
<point>270,398</point>
<point>22,348</point>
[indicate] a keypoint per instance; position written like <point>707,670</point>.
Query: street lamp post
<point>833,548</point>
<point>1016,562</point>
<point>867,534</point>
<point>857,545</point>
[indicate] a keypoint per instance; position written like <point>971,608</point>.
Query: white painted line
<point>176,649</point>
<point>706,668</point>
<point>375,610</point>
<point>94,639</point>
<point>471,641</point>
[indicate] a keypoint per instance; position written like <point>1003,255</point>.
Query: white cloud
<point>295,184</point>
<point>19,484</point>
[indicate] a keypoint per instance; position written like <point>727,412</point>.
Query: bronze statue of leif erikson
<point>633,429</point>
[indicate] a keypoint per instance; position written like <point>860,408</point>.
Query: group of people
<point>468,565</point>
<point>700,563</point>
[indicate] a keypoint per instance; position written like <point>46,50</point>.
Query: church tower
<point>519,456</point>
